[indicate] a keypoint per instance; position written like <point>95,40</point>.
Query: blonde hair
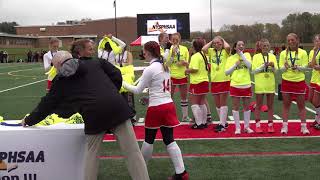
<point>288,48</point>
<point>221,39</point>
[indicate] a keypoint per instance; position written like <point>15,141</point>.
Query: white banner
<point>42,153</point>
<point>159,26</point>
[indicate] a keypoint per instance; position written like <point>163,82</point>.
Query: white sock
<point>317,115</point>
<point>197,113</point>
<point>303,125</point>
<point>176,157</point>
<point>204,113</point>
<point>218,111</point>
<point>184,108</point>
<point>258,124</point>
<point>146,151</point>
<point>236,118</point>
<point>285,124</point>
<point>246,118</point>
<point>223,115</point>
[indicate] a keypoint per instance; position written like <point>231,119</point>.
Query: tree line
<point>305,25</point>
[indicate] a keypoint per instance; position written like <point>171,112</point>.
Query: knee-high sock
<point>223,115</point>
<point>146,151</point>
<point>176,157</point>
<point>184,108</point>
<point>204,113</point>
<point>317,115</point>
<point>197,113</point>
<point>246,118</point>
<point>236,118</point>
<point>218,111</point>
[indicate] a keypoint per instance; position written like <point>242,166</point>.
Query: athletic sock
<point>223,115</point>
<point>204,113</point>
<point>246,118</point>
<point>236,118</point>
<point>146,151</point>
<point>197,113</point>
<point>184,108</point>
<point>176,157</point>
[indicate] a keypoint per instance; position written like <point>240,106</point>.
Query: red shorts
<point>240,92</point>
<point>163,115</point>
<point>199,89</point>
<point>220,87</point>
<point>49,83</point>
<point>293,87</point>
<point>179,81</point>
<point>317,88</point>
<point>313,85</point>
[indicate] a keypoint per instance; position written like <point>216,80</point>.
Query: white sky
<point>46,12</point>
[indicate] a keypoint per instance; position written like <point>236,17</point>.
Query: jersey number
<point>166,85</point>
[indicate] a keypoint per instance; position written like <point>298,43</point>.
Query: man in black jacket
<point>91,86</point>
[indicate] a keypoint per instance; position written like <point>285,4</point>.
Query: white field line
<point>231,118</point>
<point>276,116</point>
<point>24,85</point>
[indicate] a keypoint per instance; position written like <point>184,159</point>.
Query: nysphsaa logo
<point>9,161</point>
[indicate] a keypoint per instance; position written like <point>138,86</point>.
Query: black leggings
<point>167,135</point>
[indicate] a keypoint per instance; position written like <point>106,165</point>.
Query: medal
<point>218,57</point>
<point>266,62</point>
<point>293,60</point>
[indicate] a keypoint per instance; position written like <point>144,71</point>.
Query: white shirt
<point>47,59</point>
<point>157,80</point>
<point>110,57</point>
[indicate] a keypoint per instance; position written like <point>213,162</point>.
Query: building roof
<point>81,23</point>
<point>16,36</point>
<point>72,36</point>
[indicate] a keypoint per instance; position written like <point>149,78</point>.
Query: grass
<point>270,167</point>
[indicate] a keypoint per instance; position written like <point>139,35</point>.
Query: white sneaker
<point>284,130</point>
<point>248,130</point>
<point>238,131</point>
<point>304,130</point>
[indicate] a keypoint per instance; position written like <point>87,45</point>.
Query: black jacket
<point>93,91</point>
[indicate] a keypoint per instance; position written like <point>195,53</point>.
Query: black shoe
<point>195,126</point>
<point>182,176</point>
<point>219,128</point>
<point>205,125</point>
<point>227,125</point>
<point>317,126</point>
<point>313,124</point>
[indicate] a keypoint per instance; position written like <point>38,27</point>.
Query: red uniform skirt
<point>182,81</point>
<point>313,85</point>
<point>163,115</point>
<point>240,92</point>
<point>199,89</point>
<point>293,87</point>
<point>317,88</point>
<point>49,83</point>
<point>220,87</point>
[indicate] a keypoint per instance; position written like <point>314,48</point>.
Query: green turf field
<point>16,101</point>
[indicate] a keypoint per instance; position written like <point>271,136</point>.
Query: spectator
<point>29,55</point>
<point>5,56</point>
<point>1,56</point>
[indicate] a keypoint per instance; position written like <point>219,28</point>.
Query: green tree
<point>8,27</point>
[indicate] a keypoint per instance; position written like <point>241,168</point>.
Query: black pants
<point>167,135</point>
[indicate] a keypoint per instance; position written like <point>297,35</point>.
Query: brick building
<point>93,29</point>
